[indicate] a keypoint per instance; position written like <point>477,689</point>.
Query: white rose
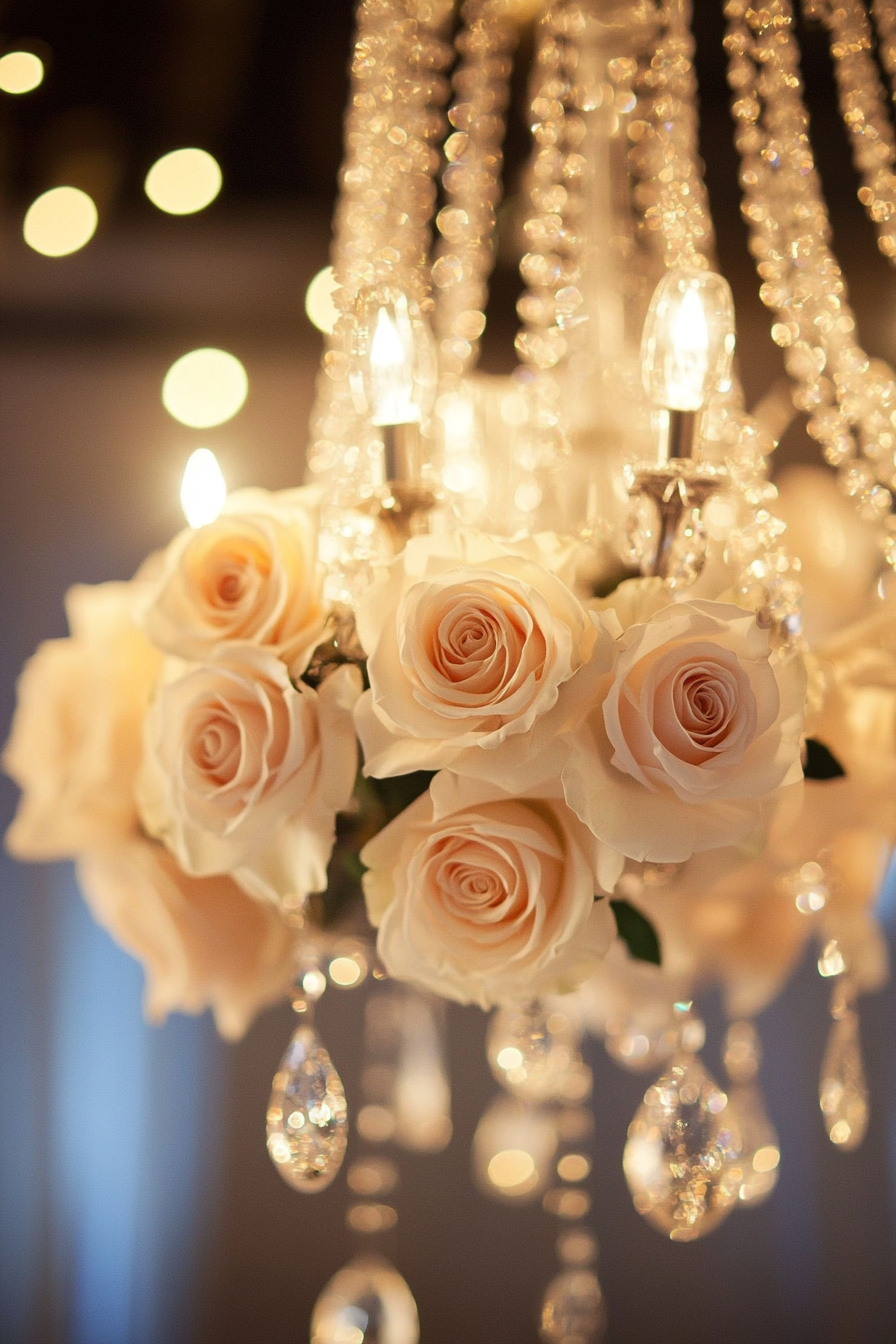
<point>473,645</point>
<point>74,749</point>
<point>698,725</point>
<point>483,897</point>
<point>243,772</point>
<point>201,940</point>
<point>251,577</point>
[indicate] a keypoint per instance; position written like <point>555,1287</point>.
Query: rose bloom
<point>251,577</point>
<point>473,645</point>
<point>201,940</point>
<point>243,772</point>
<point>697,726</point>
<point>74,749</point>
<point>483,897</point>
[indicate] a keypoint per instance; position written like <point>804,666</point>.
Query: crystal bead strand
<point>842,1090</point>
<point>464,255</point>
<point>863,107</point>
<point>381,235</point>
<point>884,13</point>
<point>845,394</point>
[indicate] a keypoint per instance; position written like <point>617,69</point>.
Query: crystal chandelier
<point>555,620</point>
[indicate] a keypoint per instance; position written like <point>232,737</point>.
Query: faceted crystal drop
<point>532,1050</point>
<point>682,1156</point>
<point>842,1093</point>
<point>573,1309</point>
<point>761,1153</point>
<point>367,1302</point>
<point>307,1117</point>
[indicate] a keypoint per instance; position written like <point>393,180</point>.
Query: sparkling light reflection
<point>204,388</point>
<point>60,221</point>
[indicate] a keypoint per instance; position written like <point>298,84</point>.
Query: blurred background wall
<point>137,1203</point>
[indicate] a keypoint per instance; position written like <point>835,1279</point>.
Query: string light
<point>60,221</point>
<point>204,388</point>
<point>183,181</point>
<point>21,72</point>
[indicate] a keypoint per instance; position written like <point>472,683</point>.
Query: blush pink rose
<point>74,749</point>
<point>696,728</point>
<point>483,897</point>
<point>473,646</point>
<point>250,577</point>
<point>202,941</point>
<point>243,771</point>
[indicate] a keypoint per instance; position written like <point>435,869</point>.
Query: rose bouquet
<point>558,794</point>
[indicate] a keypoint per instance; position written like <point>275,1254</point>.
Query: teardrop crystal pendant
<point>842,1092</point>
<point>307,1116</point>
<point>573,1309</point>
<point>682,1158</point>
<point>367,1302</point>
<point>532,1050</point>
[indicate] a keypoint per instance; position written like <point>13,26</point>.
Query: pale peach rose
<point>698,724</point>
<point>201,940</point>
<point>76,737</point>
<point>473,645</point>
<point>251,576</point>
<point>243,772</point>
<point>483,897</point>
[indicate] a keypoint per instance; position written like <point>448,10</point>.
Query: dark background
<point>137,1203</point>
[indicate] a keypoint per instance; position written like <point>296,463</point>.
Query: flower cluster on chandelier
<point>529,657</point>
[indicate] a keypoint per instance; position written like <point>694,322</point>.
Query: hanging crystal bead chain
<point>846,395</point>
<point>863,107</point>
<point>472,183</point>
<point>381,236</point>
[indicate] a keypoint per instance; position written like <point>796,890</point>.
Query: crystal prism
<point>761,1152</point>
<point>366,1302</point>
<point>842,1093</point>
<point>307,1116</point>
<point>573,1309</point>
<point>532,1050</point>
<point>682,1158</point>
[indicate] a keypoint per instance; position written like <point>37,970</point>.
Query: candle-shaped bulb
<point>203,489</point>
<point>688,340</point>
<point>393,367</point>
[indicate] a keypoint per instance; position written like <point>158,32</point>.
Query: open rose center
<point>233,574</point>
<point>215,749</point>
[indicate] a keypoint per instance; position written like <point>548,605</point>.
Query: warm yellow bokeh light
<point>20,72</point>
<point>319,305</point>
<point>184,181</point>
<point>511,1168</point>
<point>345,971</point>
<point>60,221</point>
<point>204,388</point>
<point>203,489</point>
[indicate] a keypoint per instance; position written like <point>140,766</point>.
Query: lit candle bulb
<point>203,489</point>
<point>687,347</point>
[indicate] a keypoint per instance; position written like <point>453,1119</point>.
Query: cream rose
<point>697,726</point>
<point>473,646</point>
<point>201,940</point>
<point>483,897</point>
<point>249,577</point>
<point>243,772</point>
<point>74,749</point>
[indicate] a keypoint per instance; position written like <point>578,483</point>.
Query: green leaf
<point>637,932</point>
<point>821,763</point>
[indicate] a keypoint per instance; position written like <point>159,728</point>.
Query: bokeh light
<point>204,388</point>
<point>203,489</point>
<point>60,221</point>
<point>184,181</point>
<point>20,72</point>
<point>319,305</point>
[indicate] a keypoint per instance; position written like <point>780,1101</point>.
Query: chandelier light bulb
<point>394,367</point>
<point>20,72</point>
<point>60,221</point>
<point>203,489</point>
<point>688,340</point>
<point>183,181</point>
